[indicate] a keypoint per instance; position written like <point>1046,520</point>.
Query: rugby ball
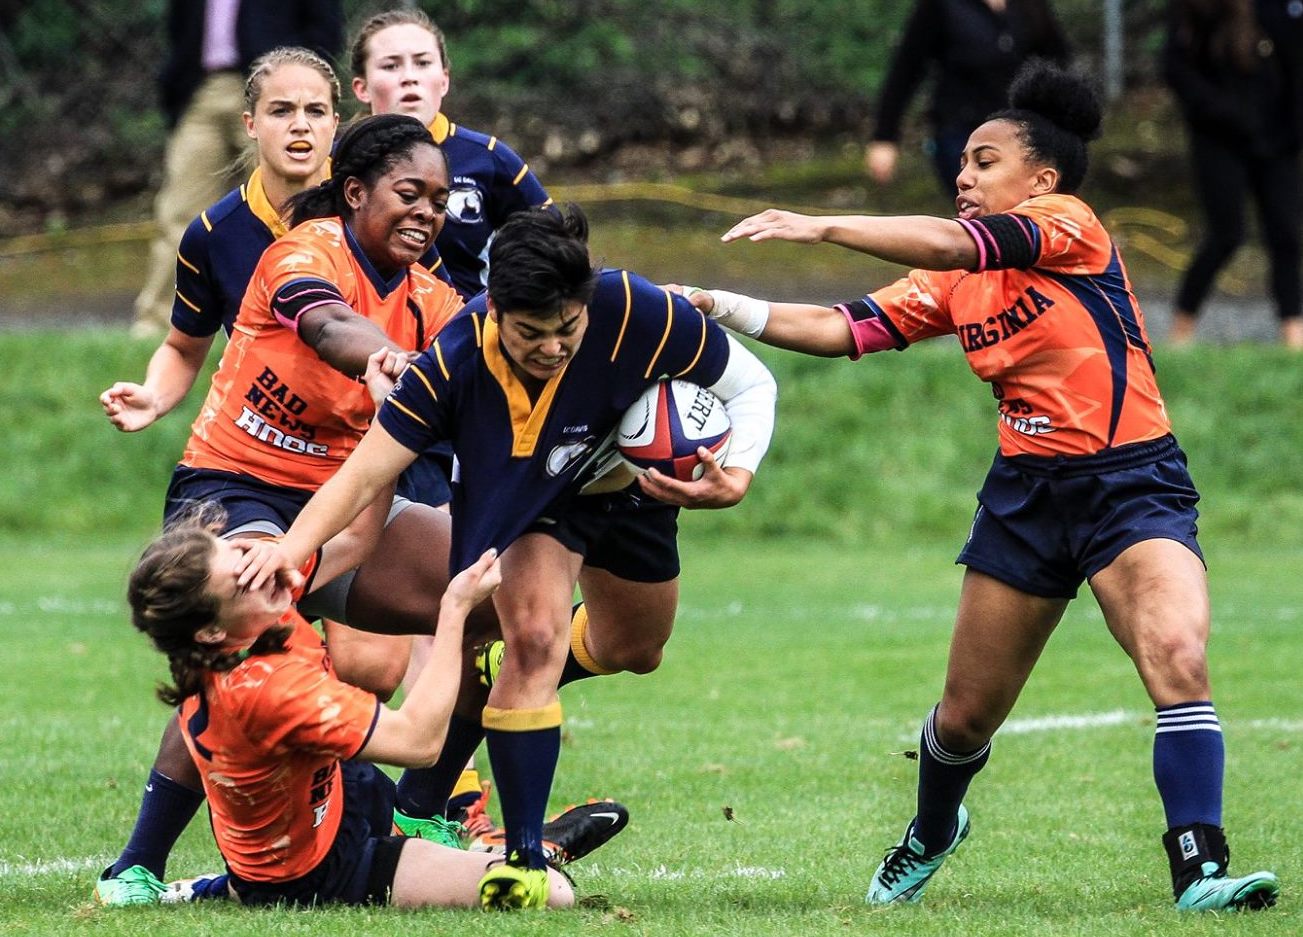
<point>664,426</point>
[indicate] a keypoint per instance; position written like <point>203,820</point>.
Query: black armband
<point>298,296</point>
<point>1004,242</point>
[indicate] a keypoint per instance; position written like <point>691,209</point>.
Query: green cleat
<point>435,829</point>
<point>488,661</point>
<point>1199,858</point>
<point>508,888</point>
<point>906,870</point>
<point>133,885</point>
<point>1217,891</point>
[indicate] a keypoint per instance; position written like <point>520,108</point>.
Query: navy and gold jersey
<point>218,253</point>
<point>516,458</point>
<point>488,184</point>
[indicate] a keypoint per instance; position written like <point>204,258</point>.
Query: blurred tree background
<point>575,85</point>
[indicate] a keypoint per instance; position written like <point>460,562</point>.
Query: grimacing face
<point>995,173</point>
<point>404,73</point>
<point>396,220</point>
<point>293,123</point>
<point>245,613</point>
<point>541,348</point>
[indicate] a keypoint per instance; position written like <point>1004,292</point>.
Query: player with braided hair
<point>285,408</point>
<point>300,813</point>
<point>1088,485</point>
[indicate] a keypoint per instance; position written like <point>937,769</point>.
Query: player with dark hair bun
<point>1088,485</point>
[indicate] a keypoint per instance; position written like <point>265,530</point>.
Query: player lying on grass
<point>528,384</point>
<point>1088,485</point>
<point>284,747</point>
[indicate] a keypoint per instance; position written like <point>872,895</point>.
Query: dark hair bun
<point>1064,98</point>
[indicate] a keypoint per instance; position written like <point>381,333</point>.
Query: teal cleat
<point>133,885</point>
<point>1217,891</point>
<point>906,870</point>
<point>435,829</point>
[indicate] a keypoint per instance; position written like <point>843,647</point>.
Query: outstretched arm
<point>919,241</point>
<point>168,378</point>
<point>373,465</point>
<point>804,327</point>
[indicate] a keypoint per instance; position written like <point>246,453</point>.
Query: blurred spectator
<point>1236,67</point>
<point>974,47</point>
<point>213,42</point>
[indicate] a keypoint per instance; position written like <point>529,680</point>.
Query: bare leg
<point>430,875</point>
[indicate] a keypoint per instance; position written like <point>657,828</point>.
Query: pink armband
<point>870,333</point>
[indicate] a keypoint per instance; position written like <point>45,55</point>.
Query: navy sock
<point>1189,758</point>
<point>207,889</point>
<point>424,792</point>
<point>574,670</point>
<point>523,766</point>
<point>943,778</point>
<point>165,810</point>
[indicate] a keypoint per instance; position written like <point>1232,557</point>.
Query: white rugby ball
<point>663,428</point>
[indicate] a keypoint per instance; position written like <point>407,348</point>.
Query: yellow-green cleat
<point>509,887</point>
<point>488,661</point>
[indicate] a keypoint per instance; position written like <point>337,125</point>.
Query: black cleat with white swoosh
<point>571,834</point>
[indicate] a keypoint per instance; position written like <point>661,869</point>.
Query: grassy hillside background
<point>892,446</point>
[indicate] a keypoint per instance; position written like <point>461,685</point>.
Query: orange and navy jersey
<point>275,410</point>
<point>268,737</point>
<point>1049,320</point>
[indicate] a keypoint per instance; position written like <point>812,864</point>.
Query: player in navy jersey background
<point>529,384</point>
<point>291,100</point>
<point>399,61</point>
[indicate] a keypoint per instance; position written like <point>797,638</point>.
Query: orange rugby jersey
<point>275,410</point>
<point>268,737</point>
<point>1062,343</point>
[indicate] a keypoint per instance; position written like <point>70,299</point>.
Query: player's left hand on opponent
<point>261,560</point>
<point>775,224</point>
<point>718,487</point>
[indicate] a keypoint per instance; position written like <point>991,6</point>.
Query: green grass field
<point>797,677</point>
<point>810,644</point>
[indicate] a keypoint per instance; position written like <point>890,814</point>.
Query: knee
<point>962,726</point>
<point>1174,666</point>
<point>534,643</point>
<point>377,675</point>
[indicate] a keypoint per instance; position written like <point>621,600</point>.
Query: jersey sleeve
<point>302,707</point>
<point>1071,239</point>
<point>916,307</point>
<point>415,412</point>
<point>515,187</point>
<point>290,259</point>
<point>668,337</point>
<point>197,305</point>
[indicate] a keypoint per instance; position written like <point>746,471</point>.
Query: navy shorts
<point>252,506</point>
<point>359,869</point>
<point>1045,525</point>
<point>624,532</point>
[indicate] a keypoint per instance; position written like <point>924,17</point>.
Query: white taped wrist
<point>740,313</point>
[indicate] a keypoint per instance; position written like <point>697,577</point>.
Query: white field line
<point>1023,726</point>
<point>52,867</point>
